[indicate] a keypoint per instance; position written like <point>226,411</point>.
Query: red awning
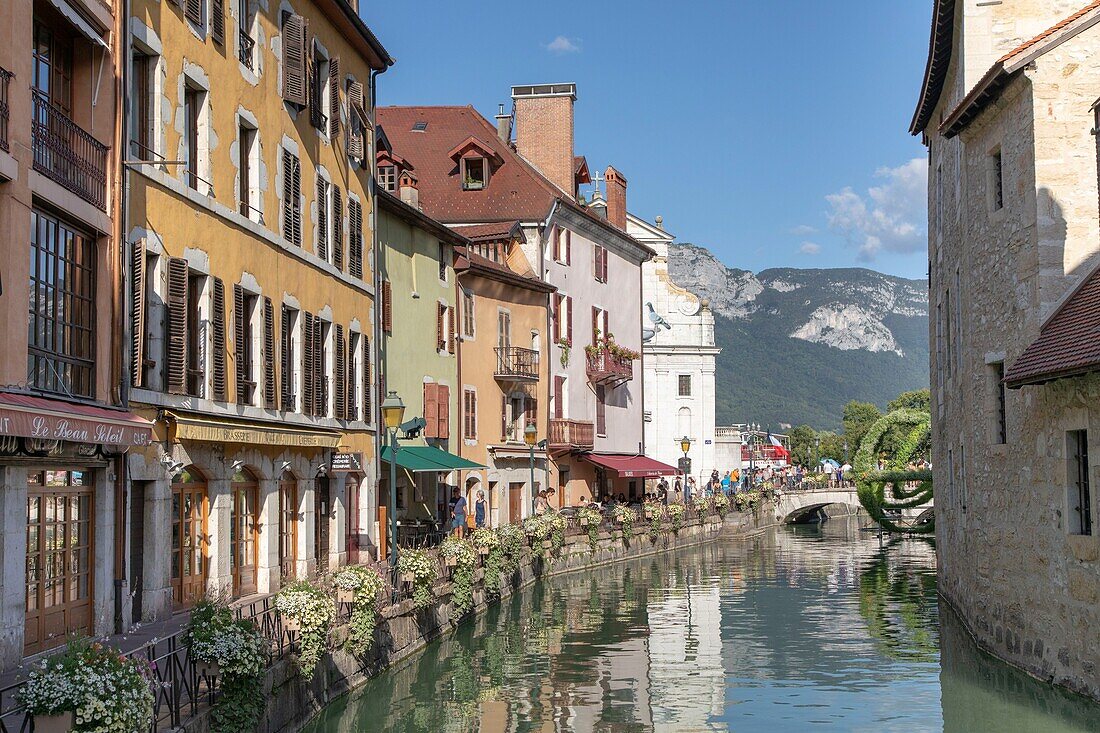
<point>631,466</point>
<point>25,416</point>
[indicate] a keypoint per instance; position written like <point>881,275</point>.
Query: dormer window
<point>475,173</point>
<point>387,177</point>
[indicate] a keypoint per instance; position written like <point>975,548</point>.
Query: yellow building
<point>249,231</point>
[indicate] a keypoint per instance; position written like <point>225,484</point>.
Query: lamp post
<point>752,456</point>
<point>817,452</point>
<point>685,446</point>
<point>393,409</point>
<point>531,437</point>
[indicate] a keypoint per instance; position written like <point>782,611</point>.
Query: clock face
<point>687,305</point>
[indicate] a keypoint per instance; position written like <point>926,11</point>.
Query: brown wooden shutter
<point>443,407</point>
<point>286,366</point>
<point>569,318</point>
<point>217,21</point>
<point>333,98</point>
<point>431,410</point>
<point>239,346</point>
<point>504,417</point>
<point>338,228</point>
<point>192,9</point>
<point>440,338</point>
<point>176,344</point>
<point>218,346</point>
<point>137,308</point>
<point>321,385</point>
<point>295,31</point>
<point>559,396</point>
<point>597,268</point>
<point>601,410</point>
<point>339,379</point>
<point>532,410</point>
<point>355,238</point>
<point>356,98</point>
<point>387,307</point>
<point>558,299</point>
<point>555,240</point>
<point>568,247</point>
<point>596,325</point>
<point>308,374</point>
<point>451,340</point>
<point>292,198</point>
<point>269,354</point>
<point>322,218</point>
<point>350,411</point>
<point>368,393</point>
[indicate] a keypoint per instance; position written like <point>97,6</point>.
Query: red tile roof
<point>1068,343</point>
<point>476,264</point>
<point>488,232</point>
<point>940,46</point>
<point>1050,31</point>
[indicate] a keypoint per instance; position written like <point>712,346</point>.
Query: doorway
<point>243,533</point>
<point>288,527</point>
<point>515,501</point>
<point>321,508</point>
<point>189,537</point>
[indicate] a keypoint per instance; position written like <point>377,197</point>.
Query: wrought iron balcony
<point>604,366</point>
<point>515,363</point>
<point>570,434</point>
<point>67,153</point>
<point>247,48</point>
<point>5,109</point>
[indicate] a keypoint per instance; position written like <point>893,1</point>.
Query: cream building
<point>1008,111</point>
<point>678,364</point>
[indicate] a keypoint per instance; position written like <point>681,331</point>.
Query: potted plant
<point>485,540</point>
<point>89,686</point>
<point>721,503</point>
<point>361,584</point>
<point>566,345</point>
<point>233,648</point>
<point>419,566</point>
<point>459,554</point>
<point>676,515</point>
<point>308,608</point>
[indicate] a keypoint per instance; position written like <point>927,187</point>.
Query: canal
<point>801,628</point>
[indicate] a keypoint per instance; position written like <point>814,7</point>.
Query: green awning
<point>422,458</point>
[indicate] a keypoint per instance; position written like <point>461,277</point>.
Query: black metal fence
<point>68,154</point>
<point>5,108</point>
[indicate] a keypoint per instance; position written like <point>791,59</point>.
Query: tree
<point>832,446</point>
<point>858,419</point>
<point>918,399</point>
<point>802,445</point>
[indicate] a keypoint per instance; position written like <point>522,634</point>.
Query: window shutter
<point>333,98</point>
<point>451,337</point>
<point>355,238</point>
<point>176,346</point>
<point>350,411</point>
<point>568,247</point>
<point>387,307</point>
<point>292,198</point>
<point>239,346</point>
<point>601,411</point>
<point>356,98</point>
<point>217,21</point>
<point>604,258</point>
<point>295,30</point>
<point>558,299</point>
<point>285,365</point>
<point>355,141</point>
<point>595,325</point>
<point>308,375</point>
<point>321,385</point>
<point>340,396</point>
<point>192,9</point>
<point>338,228</point>
<point>532,410</point>
<point>555,239</point>
<point>569,318</point>
<point>269,354</point>
<point>218,338</point>
<point>443,407</point>
<point>137,308</point>
<point>440,340</point>
<point>597,268</point>
<point>322,218</point>
<point>559,390</point>
<point>368,393</point>
<point>431,410</point>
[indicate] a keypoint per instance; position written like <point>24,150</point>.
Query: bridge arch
<point>798,506</point>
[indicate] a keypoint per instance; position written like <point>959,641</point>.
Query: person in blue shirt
<point>726,483</point>
<point>479,509</point>
<point>458,513</point>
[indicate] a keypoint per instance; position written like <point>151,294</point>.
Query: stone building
<point>1008,110</point>
<point>678,368</point>
<point>249,231</point>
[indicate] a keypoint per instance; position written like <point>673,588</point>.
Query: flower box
<point>207,669</point>
<point>292,624</point>
<point>407,577</point>
<point>483,550</point>
<point>345,596</point>
<point>583,521</point>
<point>60,723</point>
<point>547,544</point>
<point>451,561</point>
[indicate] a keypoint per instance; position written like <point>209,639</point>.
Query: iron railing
<point>571,433</point>
<point>68,154</point>
<point>246,47</point>
<point>604,366</point>
<point>5,108</point>
<point>514,362</point>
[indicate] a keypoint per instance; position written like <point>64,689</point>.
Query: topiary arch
<point>888,489</point>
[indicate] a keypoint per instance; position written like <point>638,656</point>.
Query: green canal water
<point>799,629</point>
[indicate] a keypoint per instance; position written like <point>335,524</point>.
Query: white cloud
<point>891,217</point>
<point>803,230</point>
<point>561,44</point>
<point>809,248</point>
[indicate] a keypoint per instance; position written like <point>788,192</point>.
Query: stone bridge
<point>806,505</point>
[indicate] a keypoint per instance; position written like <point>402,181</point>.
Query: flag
<point>779,449</point>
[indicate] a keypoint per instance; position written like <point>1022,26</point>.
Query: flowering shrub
<point>676,515</point>
<point>107,692</point>
<point>566,345</point>
<point>422,567</point>
<point>462,579</point>
<point>721,503</point>
<point>557,524</point>
<point>315,611</point>
<point>747,500</point>
<point>512,540</point>
<point>239,650</point>
<point>483,537</point>
<point>654,512</point>
<point>536,527</point>
<point>366,583</point>
<point>626,517</point>
<point>590,519</point>
<point>702,505</point>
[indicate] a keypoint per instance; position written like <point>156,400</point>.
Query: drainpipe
<point>380,343</point>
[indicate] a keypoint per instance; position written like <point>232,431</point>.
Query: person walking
<point>691,485</point>
<point>726,482</point>
<point>541,503</point>
<point>458,513</point>
<point>480,509</point>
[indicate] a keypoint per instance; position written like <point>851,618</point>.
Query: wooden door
<point>189,538</point>
<point>515,502</point>
<point>288,528</point>
<point>321,508</point>
<point>244,530</point>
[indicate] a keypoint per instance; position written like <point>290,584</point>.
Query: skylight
<point>420,126</point>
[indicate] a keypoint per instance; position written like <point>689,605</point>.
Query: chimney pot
<point>408,190</point>
<point>544,130</point>
<point>616,197</point>
<point>504,125</point>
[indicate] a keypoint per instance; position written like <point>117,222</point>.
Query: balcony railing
<point>67,153</point>
<point>571,434</point>
<point>514,362</point>
<point>246,47</point>
<point>604,366</point>
<point>5,109</point>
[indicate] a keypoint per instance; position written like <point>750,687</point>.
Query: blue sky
<point>774,133</point>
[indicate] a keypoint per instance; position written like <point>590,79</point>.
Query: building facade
<point>248,234</point>
<point>678,365</point>
<point>1008,111</point>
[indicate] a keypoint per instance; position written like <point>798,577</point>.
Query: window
<point>684,386</point>
<point>504,329</point>
<point>469,414</point>
<point>292,198</point>
<point>287,361</point>
<point>61,325</point>
<point>467,314</point>
<point>997,372</point>
<point>421,126</point>
<point>53,67</point>
<point>249,191</point>
<point>601,410</point>
<point>194,119</point>
<point>318,92</point>
<point>244,308</point>
<point>1080,498</point>
<point>475,173</point>
<point>141,110</point>
<point>600,263</point>
<point>355,375</point>
<point>599,325</point>
<point>948,346</point>
<point>387,307</point>
<point>324,216</point>
<point>387,177</point>
<point>443,262</point>
<point>288,526</point>
<point>562,245</point>
<point>996,181</point>
<point>245,43</point>
<point>355,238</point>
<point>322,335</point>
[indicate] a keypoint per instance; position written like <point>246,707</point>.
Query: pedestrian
<point>458,513</point>
<point>541,504</point>
<point>480,507</point>
<point>581,502</point>
<point>691,485</point>
<point>726,481</point>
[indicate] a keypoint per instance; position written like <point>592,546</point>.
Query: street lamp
<point>752,456</point>
<point>685,446</point>
<point>531,437</point>
<point>393,409</point>
<point>817,452</point>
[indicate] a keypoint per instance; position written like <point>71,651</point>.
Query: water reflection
<point>800,628</point>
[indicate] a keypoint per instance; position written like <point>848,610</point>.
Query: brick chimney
<point>408,189</point>
<point>616,197</point>
<point>544,130</point>
<point>504,126</point>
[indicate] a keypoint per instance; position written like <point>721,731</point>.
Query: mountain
<point>797,344</point>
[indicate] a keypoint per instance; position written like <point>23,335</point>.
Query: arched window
<point>190,540</point>
<point>683,421</point>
